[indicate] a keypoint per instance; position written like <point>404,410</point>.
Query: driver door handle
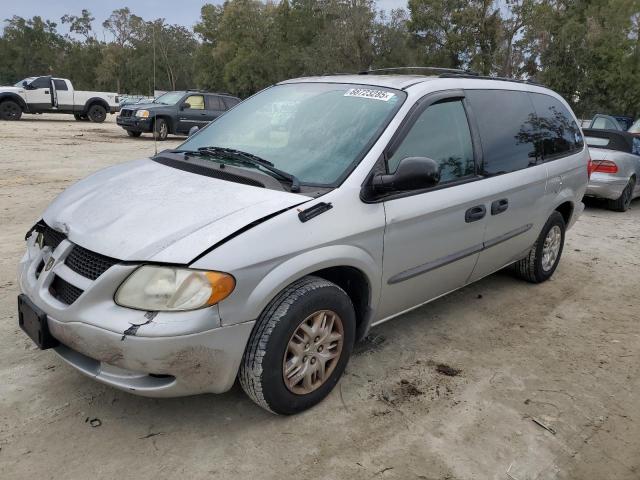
<point>475,213</point>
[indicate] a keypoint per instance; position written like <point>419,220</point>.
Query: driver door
<point>40,95</point>
<point>433,236</point>
<point>192,115</point>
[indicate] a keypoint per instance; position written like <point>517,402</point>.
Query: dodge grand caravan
<point>273,239</point>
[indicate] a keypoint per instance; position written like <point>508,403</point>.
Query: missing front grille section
<point>52,238</point>
<point>63,291</point>
<point>87,263</point>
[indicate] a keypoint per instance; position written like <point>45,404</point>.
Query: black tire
<point>10,110</point>
<point>131,133</point>
<point>97,113</point>
<point>624,201</point>
<point>261,373</point>
<point>160,129</point>
<point>530,268</point>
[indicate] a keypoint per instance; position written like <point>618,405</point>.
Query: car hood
<point>145,106</point>
<point>11,89</point>
<point>146,211</point>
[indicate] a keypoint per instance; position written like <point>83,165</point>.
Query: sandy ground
<point>565,353</point>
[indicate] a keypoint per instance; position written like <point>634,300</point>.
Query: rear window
<point>60,84</point>
<point>602,123</point>
<point>559,135</point>
<point>506,120</point>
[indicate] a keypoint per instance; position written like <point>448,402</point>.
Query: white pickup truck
<point>55,95</point>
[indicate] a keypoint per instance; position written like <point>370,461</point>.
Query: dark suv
<point>174,112</point>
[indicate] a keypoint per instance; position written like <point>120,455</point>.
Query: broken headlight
<point>170,289</point>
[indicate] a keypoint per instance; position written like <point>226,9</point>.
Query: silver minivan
<point>272,240</point>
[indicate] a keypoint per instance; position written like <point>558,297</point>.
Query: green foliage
<point>587,50</point>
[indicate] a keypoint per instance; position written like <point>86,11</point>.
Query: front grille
<point>87,263</point>
<point>52,238</point>
<point>124,113</point>
<point>64,291</point>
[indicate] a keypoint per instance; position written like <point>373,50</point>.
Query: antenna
<point>153,94</point>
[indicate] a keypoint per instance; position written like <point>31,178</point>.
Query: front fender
<point>251,299</point>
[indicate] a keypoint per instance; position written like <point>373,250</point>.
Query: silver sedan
<point>614,167</point>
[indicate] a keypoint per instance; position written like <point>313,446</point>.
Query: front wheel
<point>544,256</point>
<point>299,347</point>
<point>97,113</point>
<point>624,201</point>
<point>160,129</point>
<point>10,110</point>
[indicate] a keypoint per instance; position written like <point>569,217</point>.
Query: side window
<point>41,82</point>
<point>214,103</point>
<point>230,102</point>
<point>558,133</point>
<point>442,134</point>
<point>196,102</point>
<point>60,84</point>
<point>507,124</point>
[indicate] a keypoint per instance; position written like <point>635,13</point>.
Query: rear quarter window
<point>507,123</point>
<point>559,134</point>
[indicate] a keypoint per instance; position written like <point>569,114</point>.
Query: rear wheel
<point>133,134</point>
<point>160,129</point>
<point>97,113</point>
<point>299,347</point>
<point>10,110</point>
<point>622,204</point>
<point>544,256</point>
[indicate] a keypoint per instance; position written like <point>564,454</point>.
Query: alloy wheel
<point>551,248</point>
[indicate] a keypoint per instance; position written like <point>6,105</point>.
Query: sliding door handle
<point>499,206</point>
<point>475,213</point>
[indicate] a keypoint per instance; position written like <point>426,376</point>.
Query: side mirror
<point>413,173</point>
<point>185,105</point>
<point>193,130</point>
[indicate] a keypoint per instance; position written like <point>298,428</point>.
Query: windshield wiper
<point>251,159</point>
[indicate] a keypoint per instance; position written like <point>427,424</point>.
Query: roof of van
<point>389,81</point>
<point>401,82</point>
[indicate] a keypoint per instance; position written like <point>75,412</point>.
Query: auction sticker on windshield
<point>369,93</point>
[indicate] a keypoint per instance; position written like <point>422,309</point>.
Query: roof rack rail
<point>488,77</point>
<point>438,70</point>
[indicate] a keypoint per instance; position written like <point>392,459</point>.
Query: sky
<point>182,12</point>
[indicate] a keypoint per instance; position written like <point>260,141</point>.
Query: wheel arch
<point>16,98</point>
<point>167,119</point>
<point>349,267</point>
<point>95,101</point>
<point>566,210</point>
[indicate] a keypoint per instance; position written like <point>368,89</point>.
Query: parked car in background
<point>55,95</point>
<point>175,113</point>
<point>270,241</point>
<point>614,167</point>
<point>635,128</point>
<point>611,122</point>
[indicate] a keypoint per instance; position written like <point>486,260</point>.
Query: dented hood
<point>143,210</point>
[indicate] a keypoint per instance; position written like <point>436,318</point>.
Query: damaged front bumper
<point>164,354</point>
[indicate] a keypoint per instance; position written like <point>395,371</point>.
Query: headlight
<point>168,289</point>
<point>142,113</point>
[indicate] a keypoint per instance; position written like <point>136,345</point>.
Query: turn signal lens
<point>169,289</point>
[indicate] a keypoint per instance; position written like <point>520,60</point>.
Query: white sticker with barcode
<point>370,93</point>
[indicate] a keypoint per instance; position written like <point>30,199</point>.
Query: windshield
<point>28,80</point>
<point>315,131</point>
<point>169,98</point>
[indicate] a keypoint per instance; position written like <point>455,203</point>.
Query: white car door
<point>63,95</point>
<point>433,236</point>
<point>39,94</point>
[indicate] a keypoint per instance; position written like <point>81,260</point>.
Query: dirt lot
<point>565,353</point>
